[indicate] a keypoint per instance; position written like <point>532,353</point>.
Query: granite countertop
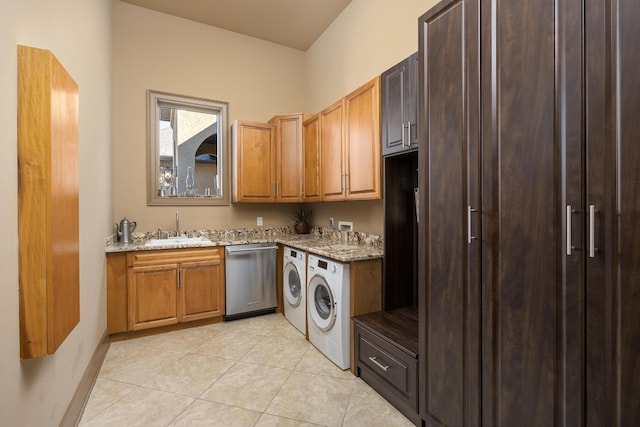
<point>323,242</point>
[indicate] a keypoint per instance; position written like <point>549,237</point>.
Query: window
<point>188,151</point>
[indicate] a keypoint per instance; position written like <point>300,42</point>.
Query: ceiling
<point>293,23</point>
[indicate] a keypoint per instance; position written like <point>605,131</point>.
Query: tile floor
<point>252,372</point>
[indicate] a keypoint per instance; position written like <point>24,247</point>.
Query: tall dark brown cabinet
<point>529,243</point>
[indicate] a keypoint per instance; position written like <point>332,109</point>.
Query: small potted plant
<point>301,219</point>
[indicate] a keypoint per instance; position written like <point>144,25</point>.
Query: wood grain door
<point>312,153</point>
<point>612,205</point>
<point>399,102</point>
<point>153,296</point>
<point>449,282</point>
<point>394,100</point>
<point>531,327</point>
<point>254,158</point>
<point>288,134</point>
<point>362,142</point>
<point>332,163</point>
<point>201,287</point>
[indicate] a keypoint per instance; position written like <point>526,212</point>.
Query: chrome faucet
<point>177,224</point>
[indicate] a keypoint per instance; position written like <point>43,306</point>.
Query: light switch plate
<point>259,221</point>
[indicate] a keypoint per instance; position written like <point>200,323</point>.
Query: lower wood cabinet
<point>148,289</point>
<point>152,296</point>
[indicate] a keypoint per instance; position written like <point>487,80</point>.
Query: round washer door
<point>322,304</point>
<point>292,285</point>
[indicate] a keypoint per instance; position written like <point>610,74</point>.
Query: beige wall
<point>367,38</point>
<point>160,52</point>
<point>37,392</point>
<point>258,79</point>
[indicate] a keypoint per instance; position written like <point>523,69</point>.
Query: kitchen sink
<point>179,241</point>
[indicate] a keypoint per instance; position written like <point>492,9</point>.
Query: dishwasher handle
<point>233,251</point>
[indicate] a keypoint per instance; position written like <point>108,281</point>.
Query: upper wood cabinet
<point>332,149</point>
<point>311,149</point>
<point>399,90</point>
<point>337,157</point>
<point>362,142</point>
<point>254,158</point>
<point>268,160</point>
<point>350,135</point>
<point>289,157</point>
<point>48,200</point>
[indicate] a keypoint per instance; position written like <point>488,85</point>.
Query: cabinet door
<point>611,213</point>
<point>288,130</point>
<point>449,278</point>
<point>394,107</point>
<point>254,158</point>
<point>201,290</point>
<point>153,296</point>
<point>529,355</point>
<point>400,106</point>
<point>332,166</point>
<point>312,185</point>
<point>362,142</point>
<point>412,102</point>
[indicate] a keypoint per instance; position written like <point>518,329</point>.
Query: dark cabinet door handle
<point>592,229</point>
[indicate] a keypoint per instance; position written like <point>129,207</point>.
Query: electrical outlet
<point>331,224</point>
<point>259,221</point>
<point>345,225</point>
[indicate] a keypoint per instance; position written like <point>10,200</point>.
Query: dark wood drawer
<point>384,364</point>
<point>392,372</point>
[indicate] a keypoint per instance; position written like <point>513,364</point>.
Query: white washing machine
<point>295,288</point>
<point>328,314</point>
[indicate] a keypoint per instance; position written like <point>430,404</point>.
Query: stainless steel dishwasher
<point>250,272</point>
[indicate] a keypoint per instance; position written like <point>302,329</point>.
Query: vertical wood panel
<point>613,274</point>
<point>627,333</point>
<point>64,298</point>
<point>446,190</point>
<point>331,164</point>
<point>48,202</point>
<point>289,163</point>
<point>254,162</point>
<point>312,155</point>
<point>520,291</point>
<point>449,169</point>
<point>362,148</point>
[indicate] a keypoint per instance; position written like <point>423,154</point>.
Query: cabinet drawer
<point>389,370</point>
<point>167,256</point>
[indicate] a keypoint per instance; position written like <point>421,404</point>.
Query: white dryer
<point>294,288</point>
<point>328,314</point>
